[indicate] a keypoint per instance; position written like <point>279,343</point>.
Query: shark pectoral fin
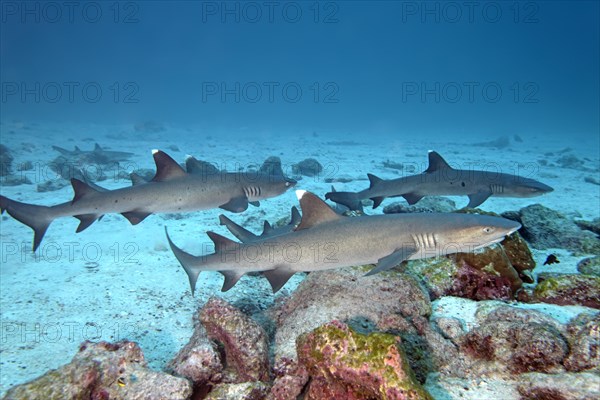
<point>86,220</point>
<point>135,217</point>
<point>412,198</point>
<point>278,277</point>
<point>377,201</point>
<point>236,205</point>
<point>393,260</point>
<point>255,203</point>
<point>476,199</point>
<point>231,278</point>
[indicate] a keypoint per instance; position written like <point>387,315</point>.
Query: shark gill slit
<point>425,240</point>
<point>497,188</point>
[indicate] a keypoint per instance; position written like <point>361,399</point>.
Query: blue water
<point>383,68</point>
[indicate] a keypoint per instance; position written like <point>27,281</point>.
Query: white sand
<point>135,289</point>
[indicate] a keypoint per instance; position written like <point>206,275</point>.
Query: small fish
<point>551,259</point>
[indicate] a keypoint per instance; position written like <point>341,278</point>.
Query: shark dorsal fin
<point>267,228</point>
<point>77,149</point>
<point>81,190</point>
<point>166,167</point>
<point>221,242</point>
<point>436,162</point>
<point>374,180</point>
<point>296,217</point>
<point>314,210</point>
<point>136,179</point>
<point>97,147</point>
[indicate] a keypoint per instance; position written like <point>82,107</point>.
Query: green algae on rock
<point>569,289</point>
<point>589,266</point>
<point>345,364</point>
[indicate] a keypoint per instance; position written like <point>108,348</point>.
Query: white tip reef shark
<point>326,240</point>
<point>245,235</point>
<point>171,190</point>
<point>440,179</point>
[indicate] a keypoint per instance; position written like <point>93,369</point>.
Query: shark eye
<point>488,229</point>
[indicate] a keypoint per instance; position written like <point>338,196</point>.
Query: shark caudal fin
<point>194,265</point>
<point>37,218</point>
<point>348,199</point>
<point>187,261</point>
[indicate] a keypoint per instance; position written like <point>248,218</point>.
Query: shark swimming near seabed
<point>326,240</point>
<point>171,190</point>
<point>440,179</point>
<point>98,155</point>
<point>269,231</point>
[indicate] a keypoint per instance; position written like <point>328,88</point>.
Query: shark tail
<point>349,199</point>
<point>37,218</point>
<point>194,265</point>
<point>239,232</point>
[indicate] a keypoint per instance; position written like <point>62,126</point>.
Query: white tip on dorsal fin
<point>300,193</point>
<point>154,151</point>
<point>314,210</point>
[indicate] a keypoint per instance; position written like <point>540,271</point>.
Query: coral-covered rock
<point>104,371</point>
<point>436,274</point>
<point>584,342</point>
<point>445,276</point>
<point>6,160</point>
<point>239,391</point>
<point>519,255</point>
<point>198,360</point>
<point>592,226</point>
<point>290,379</point>
<point>347,295</point>
<point>545,228</point>
<point>426,205</point>
<point>566,386</point>
<point>346,365</point>
<point>570,289</point>
<point>589,266</point>
<point>244,341</point>
<point>451,328</point>
<point>518,340</point>
<point>494,261</point>
<point>307,167</point>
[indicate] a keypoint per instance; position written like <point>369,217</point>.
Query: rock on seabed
<point>343,364</point>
